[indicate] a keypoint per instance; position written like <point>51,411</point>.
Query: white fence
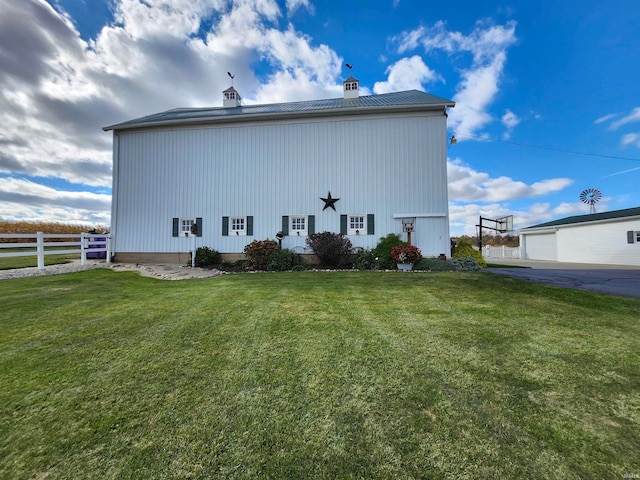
<point>500,252</point>
<point>86,244</point>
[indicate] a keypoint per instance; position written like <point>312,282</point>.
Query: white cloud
<point>510,119</point>
<point>406,74</point>
<point>634,116</point>
<point>479,83</point>
<point>630,139</point>
<point>57,90</point>
<point>605,118</point>
<point>293,5</point>
<point>22,200</point>
<point>464,218</point>
<point>469,185</point>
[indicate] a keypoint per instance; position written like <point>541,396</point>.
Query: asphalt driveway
<point>623,281</point>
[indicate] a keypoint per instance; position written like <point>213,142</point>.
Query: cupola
<point>351,87</point>
<point>231,98</point>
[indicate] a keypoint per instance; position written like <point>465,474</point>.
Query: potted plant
<point>405,256</point>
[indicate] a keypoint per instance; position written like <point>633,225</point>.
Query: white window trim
<point>238,232</point>
<point>184,230</point>
<point>357,231</point>
<point>299,233</point>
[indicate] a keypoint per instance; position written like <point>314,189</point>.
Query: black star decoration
<point>329,202</point>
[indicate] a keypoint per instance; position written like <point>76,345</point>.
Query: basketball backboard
<point>505,224</point>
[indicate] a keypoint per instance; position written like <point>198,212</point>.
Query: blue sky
<point>535,83</point>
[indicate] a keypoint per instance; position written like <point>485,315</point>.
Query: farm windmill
<point>591,196</point>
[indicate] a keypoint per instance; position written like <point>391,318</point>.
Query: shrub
<point>282,260</point>
<point>237,266</point>
<point>435,265</point>
<point>464,249</point>
<point>206,257</point>
<point>300,267</point>
<point>466,264</point>
<point>383,250</point>
<point>258,253</point>
<point>330,248</point>
<point>406,254</point>
<point>365,259</point>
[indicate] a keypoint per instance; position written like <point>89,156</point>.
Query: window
<point>633,237</point>
<point>351,86</point>
<point>187,227</point>
<point>237,226</point>
<point>357,225</point>
<point>298,225</point>
<point>186,224</point>
<point>637,237</point>
<point>230,95</point>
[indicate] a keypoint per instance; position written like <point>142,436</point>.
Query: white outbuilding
<point>611,238</point>
<point>223,177</point>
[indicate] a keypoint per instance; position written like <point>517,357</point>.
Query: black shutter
<point>630,235</point>
<point>285,224</point>
<point>225,226</point>
<point>250,225</point>
<point>370,225</point>
<point>199,227</point>
<point>176,226</point>
<point>343,224</point>
<point>311,224</point>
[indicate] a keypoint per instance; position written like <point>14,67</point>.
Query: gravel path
<point>160,271</point>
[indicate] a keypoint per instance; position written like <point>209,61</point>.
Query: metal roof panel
<point>592,217</point>
<point>410,98</point>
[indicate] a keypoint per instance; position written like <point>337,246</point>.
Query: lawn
<point>335,375</point>
<point>7,263</point>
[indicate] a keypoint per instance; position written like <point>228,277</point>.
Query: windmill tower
<point>591,196</point>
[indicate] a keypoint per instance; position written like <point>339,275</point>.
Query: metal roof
<point>593,217</point>
<point>407,101</point>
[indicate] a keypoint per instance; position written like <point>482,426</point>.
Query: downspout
<point>115,181</point>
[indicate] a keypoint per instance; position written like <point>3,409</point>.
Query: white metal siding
<point>603,243</point>
<point>383,166</point>
<point>541,246</point>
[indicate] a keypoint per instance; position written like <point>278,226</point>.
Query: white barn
<point>611,238</point>
<point>356,165</point>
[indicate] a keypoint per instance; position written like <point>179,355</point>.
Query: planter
<point>404,266</point>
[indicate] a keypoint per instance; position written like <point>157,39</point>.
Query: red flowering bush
<point>406,254</point>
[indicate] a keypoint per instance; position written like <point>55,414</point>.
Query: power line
<point>558,150</point>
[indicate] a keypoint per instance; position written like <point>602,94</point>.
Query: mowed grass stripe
<point>316,375</point>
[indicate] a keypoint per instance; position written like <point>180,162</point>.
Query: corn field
<point>45,227</point>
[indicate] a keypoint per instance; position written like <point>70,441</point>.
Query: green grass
<point>343,375</point>
<point>7,263</point>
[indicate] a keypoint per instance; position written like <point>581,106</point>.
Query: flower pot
<point>404,266</point>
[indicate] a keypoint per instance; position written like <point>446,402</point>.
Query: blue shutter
<point>199,226</point>
<point>250,225</point>
<point>630,235</point>
<point>285,224</point>
<point>343,224</point>
<point>176,227</point>
<point>311,224</point>
<point>370,225</point>
<point>225,226</point>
